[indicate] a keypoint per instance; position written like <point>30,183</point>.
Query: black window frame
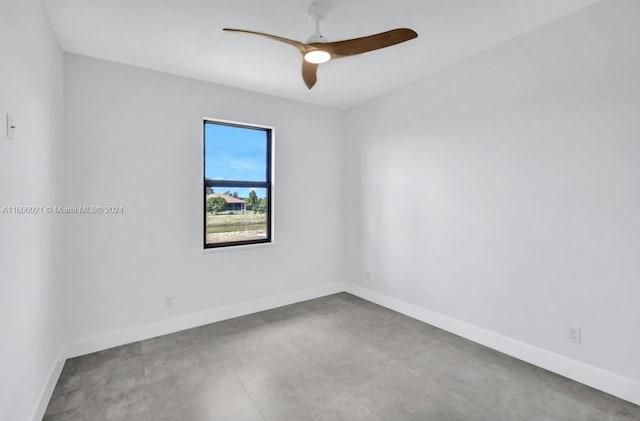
<point>267,184</point>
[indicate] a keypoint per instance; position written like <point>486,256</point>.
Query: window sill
<point>237,248</point>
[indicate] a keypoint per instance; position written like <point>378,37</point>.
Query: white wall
<point>134,139</point>
<point>504,191</point>
<point>31,298</point>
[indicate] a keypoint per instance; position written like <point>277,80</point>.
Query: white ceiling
<point>185,37</point>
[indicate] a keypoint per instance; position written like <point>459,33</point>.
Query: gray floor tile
<point>210,396</point>
<point>334,358</point>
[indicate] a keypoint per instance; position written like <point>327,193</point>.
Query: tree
<point>216,204</point>
<point>232,194</point>
<point>253,200</point>
<point>261,207</point>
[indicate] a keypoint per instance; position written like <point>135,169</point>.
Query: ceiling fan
<point>318,49</point>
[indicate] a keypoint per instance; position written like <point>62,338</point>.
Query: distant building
<point>234,204</point>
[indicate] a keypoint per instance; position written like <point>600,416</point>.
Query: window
<point>237,184</point>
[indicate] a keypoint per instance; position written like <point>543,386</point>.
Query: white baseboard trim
<point>162,327</point>
<point>597,378</point>
<point>47,388</point>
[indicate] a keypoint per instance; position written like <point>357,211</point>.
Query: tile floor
<point>334,358</point>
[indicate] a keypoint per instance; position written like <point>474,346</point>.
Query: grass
<point>228,222</point>
<point>225,227</point>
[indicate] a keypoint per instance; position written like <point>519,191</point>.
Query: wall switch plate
<point>574,334</point>
<point>10,127</point>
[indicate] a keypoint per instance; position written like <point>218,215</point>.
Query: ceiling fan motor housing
<point>316,38</point>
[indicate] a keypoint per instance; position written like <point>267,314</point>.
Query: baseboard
<point>162,327</point>
<point>597,378</point>
<point>47,389</point>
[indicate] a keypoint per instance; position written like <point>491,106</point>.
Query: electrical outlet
<point>168,302</point>
<point>367,276</point>
<point>574,334</point>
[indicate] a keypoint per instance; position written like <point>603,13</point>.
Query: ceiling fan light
<point>317,56</point>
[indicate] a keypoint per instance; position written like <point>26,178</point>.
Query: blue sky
<point>235,153</point>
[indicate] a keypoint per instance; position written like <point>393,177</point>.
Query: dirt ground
<point>223,237</point>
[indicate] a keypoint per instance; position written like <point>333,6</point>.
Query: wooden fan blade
<point>309,71</point>
<point>355,46</point>
<point>299,45</point>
